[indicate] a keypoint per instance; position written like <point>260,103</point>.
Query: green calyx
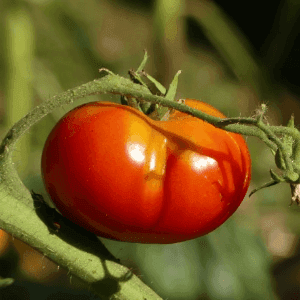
<point>154,111</point>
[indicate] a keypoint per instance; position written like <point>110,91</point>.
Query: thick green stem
<point>118,85</point>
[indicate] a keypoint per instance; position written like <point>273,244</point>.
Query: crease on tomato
<point>154,173</point>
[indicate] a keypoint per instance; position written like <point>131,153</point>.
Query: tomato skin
<point>123,176</point>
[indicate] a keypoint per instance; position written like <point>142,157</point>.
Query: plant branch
<point>118,85</point>
<point>72,248</point>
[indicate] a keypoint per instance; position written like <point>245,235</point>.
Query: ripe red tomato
<point>123,176</point>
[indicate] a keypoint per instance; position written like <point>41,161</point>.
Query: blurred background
<point>231,56</point>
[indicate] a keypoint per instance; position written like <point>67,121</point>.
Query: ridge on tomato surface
<point>116,172</point>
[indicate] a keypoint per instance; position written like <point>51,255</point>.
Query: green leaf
<point>143,63</point>
<point>157,84</point>
<point>173,87</point>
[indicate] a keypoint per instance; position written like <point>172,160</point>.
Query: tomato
<point>124,176</point>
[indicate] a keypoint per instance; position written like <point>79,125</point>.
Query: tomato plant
<point>124,176</point>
